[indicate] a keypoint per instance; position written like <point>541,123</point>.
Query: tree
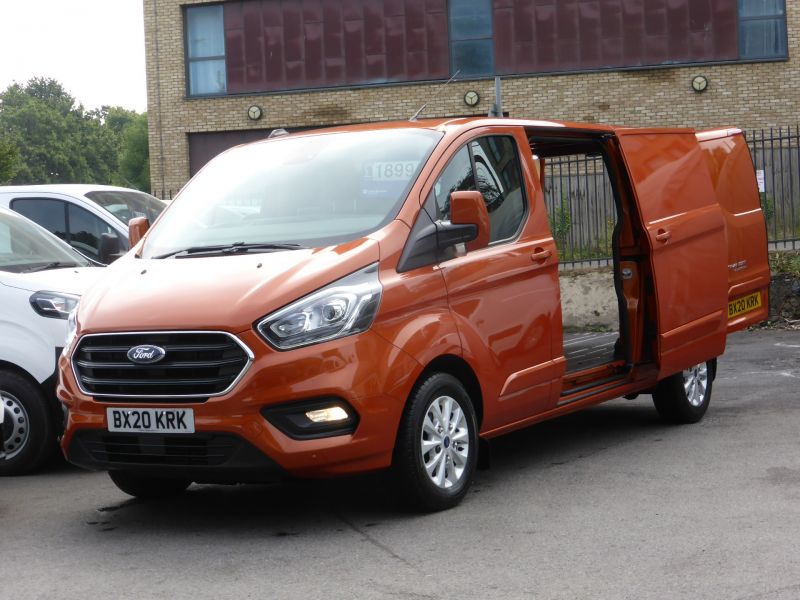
<point>9,155</point>
<point>58,141</point>
<point>134,157</point>
<point>50,138</point>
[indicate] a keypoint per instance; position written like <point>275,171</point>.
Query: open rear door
<point>685,229</point>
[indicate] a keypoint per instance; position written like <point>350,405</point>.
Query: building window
<point>471,43</point>
<point>205,50</point>
<point>762,29</point>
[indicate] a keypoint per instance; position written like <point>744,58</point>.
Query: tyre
<point>437,445</point>
<point>140,485</point>
<point>684,397</point>
<point>29,436</point>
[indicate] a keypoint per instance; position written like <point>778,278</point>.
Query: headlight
<point>344,307</point>
<point>54,305</point>
<point>72,328</point>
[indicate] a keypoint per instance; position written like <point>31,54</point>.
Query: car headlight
<point>72,328</point>
<point>54,305</point>
<point>343,308</point>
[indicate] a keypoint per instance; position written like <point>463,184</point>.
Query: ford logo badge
<point>146,355</point>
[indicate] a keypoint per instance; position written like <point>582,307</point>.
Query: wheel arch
<point>461,370</point>
<point>14,368</point>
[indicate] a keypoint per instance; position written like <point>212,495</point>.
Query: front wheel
<point>29,436</point>
<point>684,397</point>
<point>437,444</point>
<point>144,486</point>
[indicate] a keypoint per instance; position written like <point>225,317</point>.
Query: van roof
<point>454,125</point>
<point>76,189</point>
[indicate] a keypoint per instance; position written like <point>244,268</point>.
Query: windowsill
<point>389,84</point>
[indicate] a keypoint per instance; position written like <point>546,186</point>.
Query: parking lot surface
<point>606,503</point>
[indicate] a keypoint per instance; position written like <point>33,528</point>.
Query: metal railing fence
<point>776,156</point>
<point>581,210</point>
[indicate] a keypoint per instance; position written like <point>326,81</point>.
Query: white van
<point>41,280</point>
<point>93,219</point>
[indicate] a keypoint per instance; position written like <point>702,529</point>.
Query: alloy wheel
<point>695,384</point>
<point>444,442</point>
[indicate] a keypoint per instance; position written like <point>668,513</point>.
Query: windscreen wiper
<point>223,249</point>
<point>53,265</point>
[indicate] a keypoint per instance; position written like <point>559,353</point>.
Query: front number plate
<point>150,420</point>
<point>744,304</point>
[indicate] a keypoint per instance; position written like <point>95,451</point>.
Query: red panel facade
<point>535,36</point>
<point>274,45</point>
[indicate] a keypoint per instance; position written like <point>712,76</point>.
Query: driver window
<point>491,165</point>
<point>457,177</point>
<point>85,230</point>
<point>499,178</point>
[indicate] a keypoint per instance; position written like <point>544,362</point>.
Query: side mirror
<point>109,250</point>
<point>469,208</point>
<point>137,227</point>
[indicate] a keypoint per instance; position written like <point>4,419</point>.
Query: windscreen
<point>313,191</point>
<point>127,205</point>
<point>26,247</point>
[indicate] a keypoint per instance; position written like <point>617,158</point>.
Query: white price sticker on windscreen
<point>390,170</point>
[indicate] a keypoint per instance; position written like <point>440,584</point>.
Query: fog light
<point>331,414</point>
<point>314,418</point>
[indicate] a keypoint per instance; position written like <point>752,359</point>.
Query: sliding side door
<point>685,229</point>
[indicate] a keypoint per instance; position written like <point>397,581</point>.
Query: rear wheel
<point>144,486</point>
<point>28,430</point>
<point>684,397</point>
<point>437,445</point>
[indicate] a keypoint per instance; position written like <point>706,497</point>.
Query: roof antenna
<point>436,95</point>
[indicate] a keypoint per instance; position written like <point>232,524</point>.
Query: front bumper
<point>203,458</point>
<point>367,372</point>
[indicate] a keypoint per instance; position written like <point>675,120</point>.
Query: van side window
<point>46,212</point>
<point>496,174</point>
<point>499,179</point>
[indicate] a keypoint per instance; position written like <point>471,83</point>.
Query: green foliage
<point>767,206</point>
<point>561,226</point>
<point>134,158</point>
<point>9,155</point>
<point>785,263</point>
<point>58,141</point>
<point>561,223</point>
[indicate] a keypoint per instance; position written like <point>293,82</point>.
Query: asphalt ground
<point>606,503</point>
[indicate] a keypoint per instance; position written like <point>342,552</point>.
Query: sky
<point>94,48</point>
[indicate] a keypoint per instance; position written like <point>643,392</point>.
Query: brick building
<point>221,73</point>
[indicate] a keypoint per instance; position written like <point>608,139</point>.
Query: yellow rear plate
<point>744,304</point>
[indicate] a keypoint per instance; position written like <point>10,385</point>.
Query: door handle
<point>540,255</point>
<point>662,235</point>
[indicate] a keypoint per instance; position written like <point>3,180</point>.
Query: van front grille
<point>194,366</point>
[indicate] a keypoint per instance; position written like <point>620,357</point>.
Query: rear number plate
<point>150,420</point>
<point>744,304</point>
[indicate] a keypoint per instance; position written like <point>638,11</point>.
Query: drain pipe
<point>497,108</point>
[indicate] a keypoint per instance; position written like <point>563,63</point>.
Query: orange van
<point>387,296</point>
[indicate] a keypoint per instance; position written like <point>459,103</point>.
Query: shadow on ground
<point>303,506</point>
